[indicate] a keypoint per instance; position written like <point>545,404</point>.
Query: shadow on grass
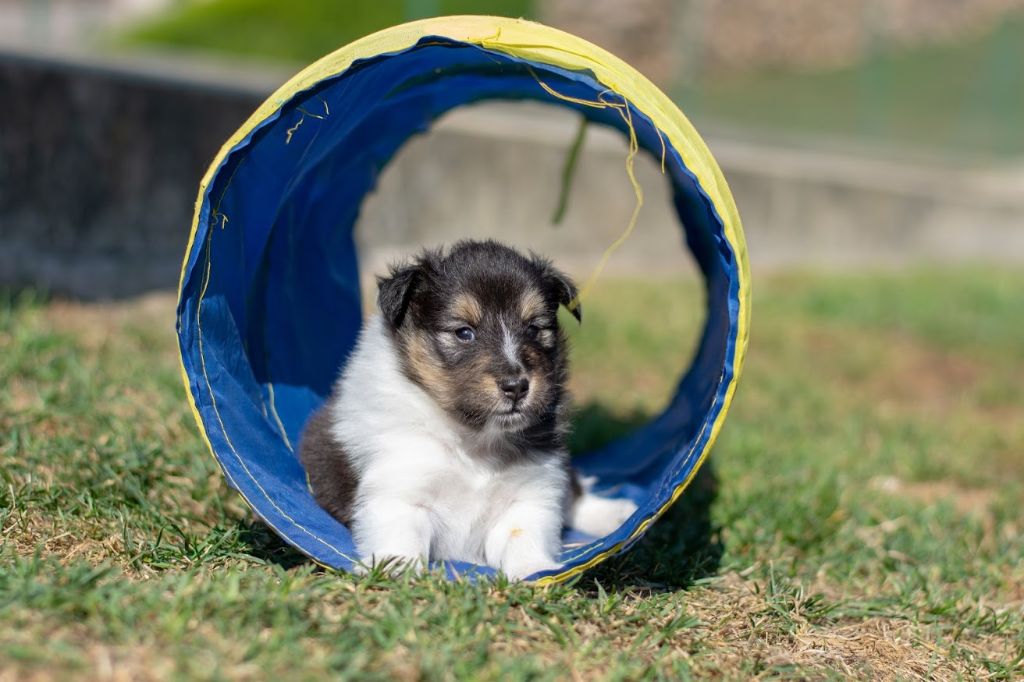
<point>261,542</point>
<point>682,547</point>
<point>594,425</point>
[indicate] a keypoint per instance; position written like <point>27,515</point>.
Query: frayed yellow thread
<point>634,147</point>
<point>291,131</point>
<point>311,114</point>
<point>599,104</point>
<point>215,213</point>
<point>218,217</point>
<point>277,418</point>
<point>661,138</point>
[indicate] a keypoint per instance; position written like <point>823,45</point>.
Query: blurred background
<point>855,132</point>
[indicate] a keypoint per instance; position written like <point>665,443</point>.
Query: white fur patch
<point>509,346</point>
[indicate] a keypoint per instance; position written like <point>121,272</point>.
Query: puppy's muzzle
<point>514,388</point>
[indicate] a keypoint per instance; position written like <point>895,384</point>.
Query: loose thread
<point>320,117</point>
<point>310,113</point>
<point>626,113</point>
<point>291,131</point>
<point>217,217</point>
<point>634,148</point>
<point>661,138</point>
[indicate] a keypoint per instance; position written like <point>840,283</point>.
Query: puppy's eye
<point>532,331</point>
<point>465,334</point>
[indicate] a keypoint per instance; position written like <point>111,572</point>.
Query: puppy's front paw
<point>599,516</point>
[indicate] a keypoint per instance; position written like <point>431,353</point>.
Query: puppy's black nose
<point>514,388</point>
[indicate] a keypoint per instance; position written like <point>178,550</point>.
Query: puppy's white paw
<point>600,516</point>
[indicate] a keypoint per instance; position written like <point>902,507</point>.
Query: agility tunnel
<point>269,301</point>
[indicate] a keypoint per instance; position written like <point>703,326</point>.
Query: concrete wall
<point>495,172</point>
<point>99,167</point>
<point>100,163</point>
<point>822,209</point>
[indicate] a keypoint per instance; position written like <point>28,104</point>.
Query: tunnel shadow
<point>265,545</point>
<point>683,546</point>
<point>594,425</point>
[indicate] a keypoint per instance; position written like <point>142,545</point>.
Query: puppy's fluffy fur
<point>444,437</point>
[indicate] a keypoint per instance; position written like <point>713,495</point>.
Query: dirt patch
<point>73,652</point>
<point>97,324</point>
<point>965,500</point>
<point>21,397</point>
<point>28,532</point>
<point>741,625</point>
<point>914,375</point>
<point>966,397</point>
<point>895,368</point>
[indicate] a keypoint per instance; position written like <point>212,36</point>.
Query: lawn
<point>861,514</point>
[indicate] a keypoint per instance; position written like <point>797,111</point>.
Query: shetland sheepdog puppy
<point>445,435</point>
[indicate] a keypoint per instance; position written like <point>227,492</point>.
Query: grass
<point>860,516</point>
<point>296,31</point>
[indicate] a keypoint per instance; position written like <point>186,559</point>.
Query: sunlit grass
<point>860,515</point>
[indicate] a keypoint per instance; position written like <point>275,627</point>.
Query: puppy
<point>444,437</point>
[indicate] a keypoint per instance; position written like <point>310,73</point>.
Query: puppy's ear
<point>569,296</point>
<point>395,291</point>
<point>561,287</point>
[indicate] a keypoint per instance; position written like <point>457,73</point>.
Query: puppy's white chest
<point>464,498</point>
<point>455,488</point>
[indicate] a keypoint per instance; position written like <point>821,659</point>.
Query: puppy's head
<point>477,329</point>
